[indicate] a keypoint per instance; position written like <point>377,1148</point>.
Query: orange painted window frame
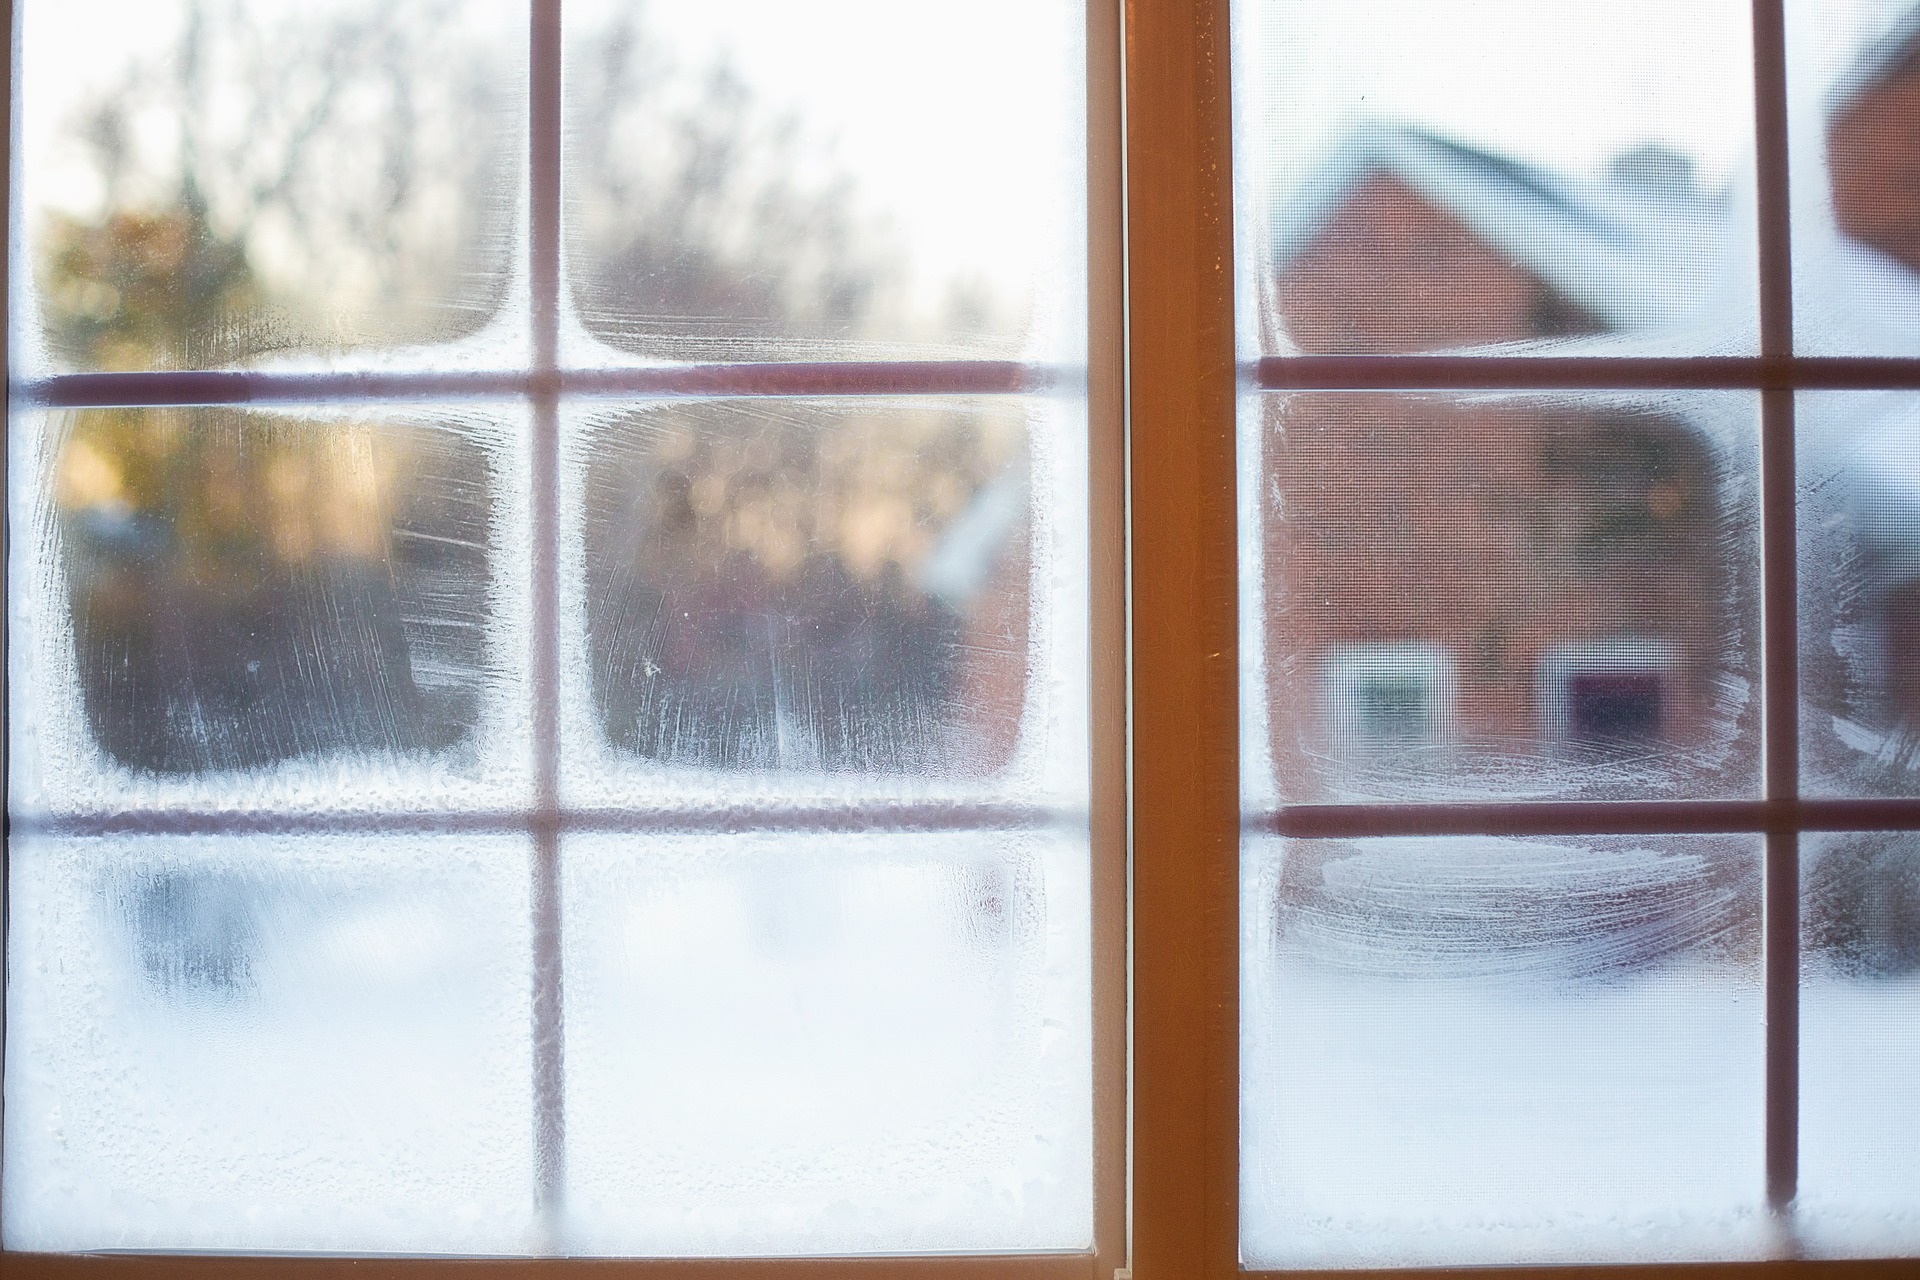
<point>1164,665</point>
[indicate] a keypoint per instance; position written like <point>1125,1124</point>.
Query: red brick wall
<point>1391,273</point>
<point>1873,159</point>
<point>1873,156</point>
<point>1496,532</point>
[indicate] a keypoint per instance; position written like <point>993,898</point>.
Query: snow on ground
<point>776,1044</point>
<point>1471,1051</point>
<point>258,1043</point>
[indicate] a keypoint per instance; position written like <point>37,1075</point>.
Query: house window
<point>559,711</point>
<point>1616,694</point>
<point>1390,695</point>
<point>1521,342</point>
<point>554,700</point>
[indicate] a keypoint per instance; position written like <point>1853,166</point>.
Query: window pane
<point>1859,478</point>
<point>1854,69</point>
<point>268,1043</point>
<point>830,598</point>
<point>794,1044</point>
<point>1860,1045</point>
<point>1473,1050</point>
<point>563,623</point>
<point>834,587</point>
<point>265,608</point>
<point>1421,176</point>
<point>753,179</point>
<point>209,182</point>
<point>1473,596</point>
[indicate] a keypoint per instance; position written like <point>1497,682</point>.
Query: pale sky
<point>962,121</point>
<point>1566,85</point>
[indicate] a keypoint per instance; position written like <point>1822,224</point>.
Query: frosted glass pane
<point>1859,521</point>
<point>825,601</point>
<point>208,182</point>
<point>1440,174</point>
<point>840,587</point>
<point>268,1043</point>
<point>1854,81</point>
<point>828,1044</point>
<point>302,607</point>
<point>1472,596</point>
<point>1476,1051</point>
<point>754,179</point>
<point>1860,1045</point>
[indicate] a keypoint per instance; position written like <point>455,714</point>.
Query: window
<point>1545,320</point>
<point>524,753</point>
<point>1610,694</point>
<point>1381,695</point>
<point>553,692</point>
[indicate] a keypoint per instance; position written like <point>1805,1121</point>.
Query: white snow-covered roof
<point>1634,252</point>
<point>1884,55</point>
<point>1669,269</point>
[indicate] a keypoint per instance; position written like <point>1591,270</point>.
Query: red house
<point>1474,595</point>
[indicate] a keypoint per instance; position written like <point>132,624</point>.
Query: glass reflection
<point>810,586</point>
<point>247,589</point>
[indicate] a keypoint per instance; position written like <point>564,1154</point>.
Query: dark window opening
<point>1615,706</point>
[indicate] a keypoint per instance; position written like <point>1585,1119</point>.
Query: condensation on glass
<point>267,609</point>
<point>1854,99</point>
<point>208,183</point>
<point>1860,1044</point>
<point>808,600</point>
<point>1502,596</point>
<point>1478,1050</point>
<point>1859,481</point>
<point>1472,1050</point>
<point>298,699</point>
<point>809,586</point>
<point>848,1043</point>
<point>747,180</point>
<point>1509,176</point>
<point>268,1043</point>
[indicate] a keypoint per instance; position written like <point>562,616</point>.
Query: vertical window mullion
<point>1185,656</point>
<point>1779,608</point>
<point>549,1031</point>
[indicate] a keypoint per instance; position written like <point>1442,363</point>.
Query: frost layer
<point>286,1044</point>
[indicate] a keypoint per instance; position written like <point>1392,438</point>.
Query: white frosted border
<point>1049,766</point>
<point>55,767</point>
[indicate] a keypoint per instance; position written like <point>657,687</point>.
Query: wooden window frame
<point>1187,820</point>
<point>542,384</point>
<point>1165,660</point>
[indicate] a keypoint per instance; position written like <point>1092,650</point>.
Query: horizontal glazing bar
<point>880,816</point>
<point>1569,818</point>
<point>182,1266</point>
<point>1567,373</point>
<point>828,378</point>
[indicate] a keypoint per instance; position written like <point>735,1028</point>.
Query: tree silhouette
<point>250,588</point>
